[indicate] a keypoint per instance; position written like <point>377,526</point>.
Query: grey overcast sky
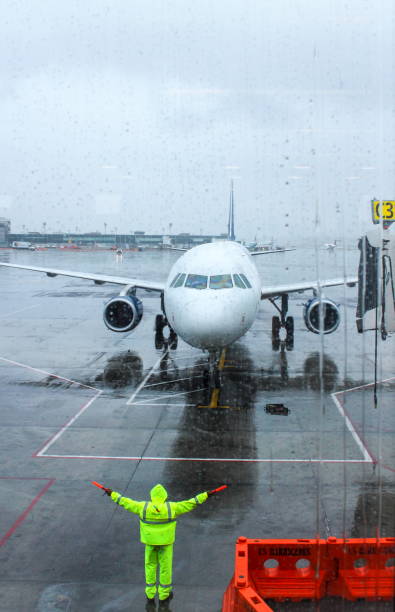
<point>136,114</point>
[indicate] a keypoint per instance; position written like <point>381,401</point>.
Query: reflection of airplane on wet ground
<point>211,298</point>
<point>127,370</point>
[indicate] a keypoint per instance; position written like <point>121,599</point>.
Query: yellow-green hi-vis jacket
<point>158,517</point>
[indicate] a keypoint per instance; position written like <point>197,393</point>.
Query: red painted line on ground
<point>23,478</point>
<point>387,467</point>
<point>24,514</point>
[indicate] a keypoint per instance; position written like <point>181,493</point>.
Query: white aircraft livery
<point>211,298</point>
<point>212,295</point>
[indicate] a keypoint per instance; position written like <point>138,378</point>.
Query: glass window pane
<point>238,282</point>
<point>221,281</point>
<point>180,280</point>
<point>196,281</point>
<point>174,280</point>
<point>246,281</point>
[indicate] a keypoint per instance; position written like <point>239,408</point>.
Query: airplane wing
<point>268,252</point>
<point>268,292</point>
<point>98,279</point>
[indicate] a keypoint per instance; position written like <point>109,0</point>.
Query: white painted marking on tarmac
<point>365,386</point>
<point>144,403</point>
<point>9,314</point>
<point>42,452</point>
<point>61,431</point>
<point>166,382</point>
<point>186,358</point>
<point>177,369</point>
<point>172,395</point>
<point>357,438</point>
<point>207,459</point>
<point>367,456</point>
<point>24,365</point>
<point>148,376</point>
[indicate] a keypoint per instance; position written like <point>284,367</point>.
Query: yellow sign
<point>383,211</point>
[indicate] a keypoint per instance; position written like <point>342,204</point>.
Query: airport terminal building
<point>5,227</point>
<point>136,240</point>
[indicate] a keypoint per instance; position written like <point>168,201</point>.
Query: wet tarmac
<point>79,403</point>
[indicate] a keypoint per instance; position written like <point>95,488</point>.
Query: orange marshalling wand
<point>97,484</point>
<point>219,489</point>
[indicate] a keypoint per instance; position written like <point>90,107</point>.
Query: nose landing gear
<point>161,340</point>
<point>212,373</point>
<point>282,322</point>
<point>212,380</point>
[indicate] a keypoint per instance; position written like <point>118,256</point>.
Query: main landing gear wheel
<point>289,328</point>
<point>212,379</point>
<point>276,326</point>
<point>159,323</point>
<point>173,340</point>
<point>282,322</point>
<point>159,341</point>
<point>212,374</point>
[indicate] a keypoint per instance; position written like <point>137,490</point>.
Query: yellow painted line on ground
<point>214,399</point>
<point>215,394</point>
<point>221,362</point>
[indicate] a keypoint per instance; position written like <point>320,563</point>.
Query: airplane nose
<point>207,327</point>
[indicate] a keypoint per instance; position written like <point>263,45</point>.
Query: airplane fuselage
<point>212,294</point>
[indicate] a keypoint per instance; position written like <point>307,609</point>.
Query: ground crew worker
<point>157,532</point>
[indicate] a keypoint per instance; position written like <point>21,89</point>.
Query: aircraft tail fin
<point>231,218</point>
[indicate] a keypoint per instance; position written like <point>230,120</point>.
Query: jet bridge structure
<point>376,282</point>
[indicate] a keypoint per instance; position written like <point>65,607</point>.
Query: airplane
<point>26,246</point>
<point>211,298</point>
<point>331,245</point>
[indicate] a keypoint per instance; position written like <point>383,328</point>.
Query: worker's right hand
<point>108,491</point>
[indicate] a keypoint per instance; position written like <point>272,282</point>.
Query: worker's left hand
<point>108,491</point>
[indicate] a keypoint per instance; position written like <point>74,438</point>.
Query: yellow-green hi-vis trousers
<point>162,556</point>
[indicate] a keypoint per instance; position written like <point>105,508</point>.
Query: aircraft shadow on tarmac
<point>240,375</point>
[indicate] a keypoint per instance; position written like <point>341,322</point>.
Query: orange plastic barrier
<point>365,568</point>
<point>309,569</point>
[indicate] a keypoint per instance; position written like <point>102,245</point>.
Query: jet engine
<point>330,313</point>
<point>123,313</point>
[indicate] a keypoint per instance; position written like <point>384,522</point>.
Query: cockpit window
<point>174,280</point>
<point>238,282</point>
<point>221,281</point>
<point>179,280</point>
<point>196,281</point>
<point>246,281</point>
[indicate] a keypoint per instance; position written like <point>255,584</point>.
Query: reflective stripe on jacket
<point>158,517</point>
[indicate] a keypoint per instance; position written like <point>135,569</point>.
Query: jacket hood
<point>158,494</point>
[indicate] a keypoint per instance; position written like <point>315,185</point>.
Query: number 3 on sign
<point>383,210</point>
